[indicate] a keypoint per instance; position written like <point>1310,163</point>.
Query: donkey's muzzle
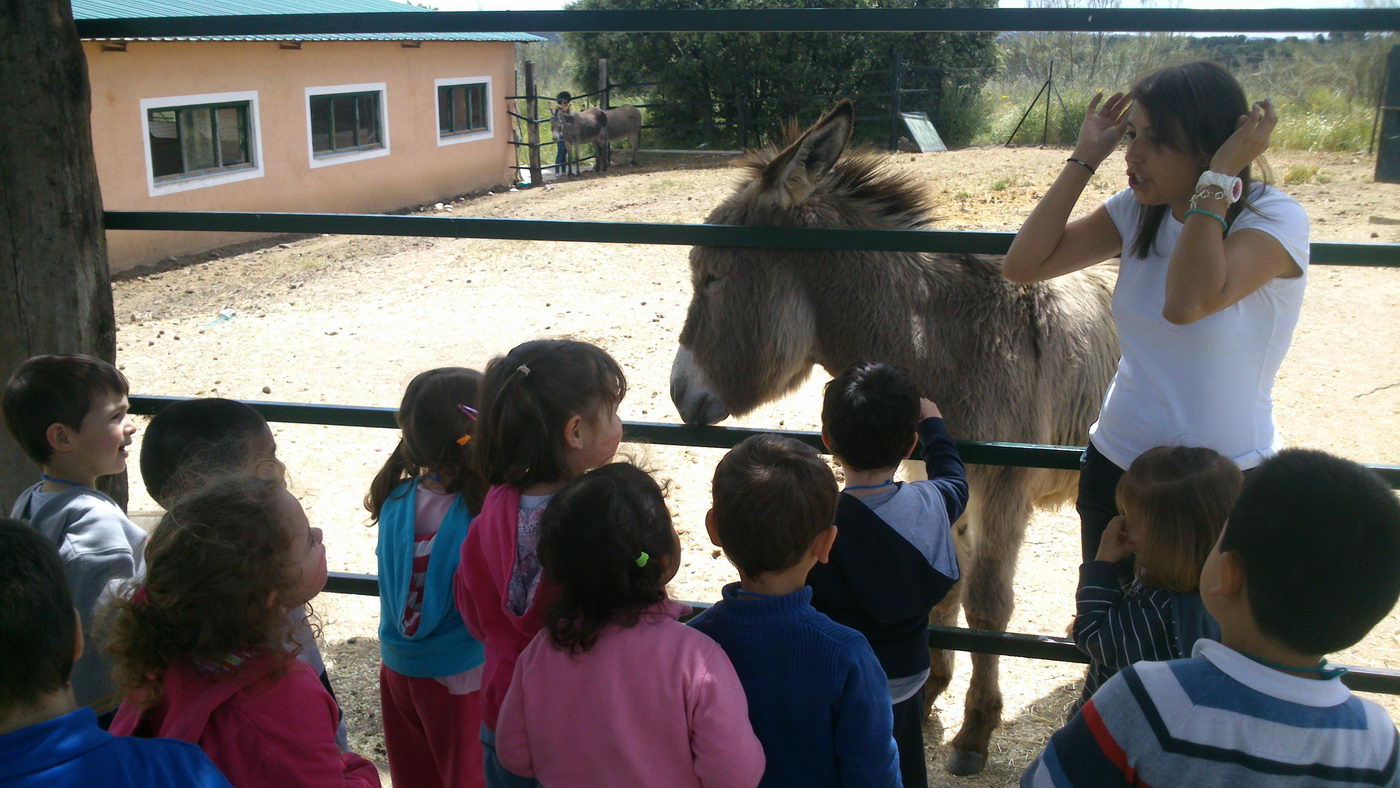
<point>694,400</point>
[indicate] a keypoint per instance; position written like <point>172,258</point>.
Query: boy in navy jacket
<point>893,558</point>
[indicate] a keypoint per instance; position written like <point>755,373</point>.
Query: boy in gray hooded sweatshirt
<point>69,414</point>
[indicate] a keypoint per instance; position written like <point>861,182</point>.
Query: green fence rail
<point>777,20</point>
<point>963,242</point>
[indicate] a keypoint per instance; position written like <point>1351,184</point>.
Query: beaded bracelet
<point>1212,214</point>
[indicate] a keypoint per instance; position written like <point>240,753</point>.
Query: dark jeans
<point>909,737</point>
<point>561,156</point>
<point>1098,482</point>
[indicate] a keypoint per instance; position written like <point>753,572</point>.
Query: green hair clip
<point>642,558</point>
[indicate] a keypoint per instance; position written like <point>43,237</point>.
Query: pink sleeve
<point>512,739</point>
<point>725,749</point>
<point>285,737</point>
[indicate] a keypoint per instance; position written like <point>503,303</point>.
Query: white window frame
<point>330,159</point>
<point>187,183</point>
<point>467,136</point>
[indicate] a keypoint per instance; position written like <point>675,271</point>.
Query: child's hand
<point>1113,547</point>
<point>928,410</point>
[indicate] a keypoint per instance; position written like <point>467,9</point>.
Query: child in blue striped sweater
<point>1305,567</point>
<point>1175,500</point>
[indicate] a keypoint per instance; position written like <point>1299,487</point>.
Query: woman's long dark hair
<point>1194,108</point>
<point>432,423</point>
<point>605,542</point>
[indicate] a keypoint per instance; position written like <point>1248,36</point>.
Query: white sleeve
<point>1273,212</point>
<point>1124,210</point>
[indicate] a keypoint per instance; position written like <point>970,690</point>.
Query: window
<point>346,123</point>
<point>463,109</point>
<point>197,141</point>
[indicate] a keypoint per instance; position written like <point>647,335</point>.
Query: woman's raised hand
<point>1103,127</point>
<point>1250,139</point>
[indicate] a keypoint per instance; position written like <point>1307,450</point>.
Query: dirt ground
<point>349,320</point>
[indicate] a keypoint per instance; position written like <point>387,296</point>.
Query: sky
<point>549,5</point>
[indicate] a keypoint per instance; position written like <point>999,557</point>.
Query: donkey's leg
<point>988,601</point>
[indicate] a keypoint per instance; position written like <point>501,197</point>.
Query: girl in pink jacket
<point>615,692</point>
<point>548,414</point>
<point>204,646</point>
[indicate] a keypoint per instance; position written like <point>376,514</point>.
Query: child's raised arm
<point>1116,632</point>
<point>941,459</point>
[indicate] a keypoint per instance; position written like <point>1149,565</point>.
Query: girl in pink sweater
<point>615,691</point>
<point>204,646</point>
<point>548,414</point>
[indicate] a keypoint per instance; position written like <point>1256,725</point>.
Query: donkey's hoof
<point>965,764</point>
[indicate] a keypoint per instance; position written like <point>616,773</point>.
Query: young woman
<point>1211,278</point>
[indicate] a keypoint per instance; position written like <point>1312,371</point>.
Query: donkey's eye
<point>709,282</point>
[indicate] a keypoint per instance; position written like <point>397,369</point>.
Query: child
<point>204,646</point>
<point>1175,500</point>
<point>423,499</point>
<point>1305,566</point>
<point>817,697</point>
<point>192,442</point>
<point>893,559</point>
<point>663,706</point>
<point>548,415</point>
<point>46,739</point>
<point>69,414</point>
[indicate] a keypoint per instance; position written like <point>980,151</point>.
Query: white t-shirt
<point>1208,383</point>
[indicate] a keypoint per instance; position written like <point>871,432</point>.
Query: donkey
<point>1004,362</point>
<point>599,127</point>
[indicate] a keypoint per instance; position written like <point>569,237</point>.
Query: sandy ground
<point>349,320</point>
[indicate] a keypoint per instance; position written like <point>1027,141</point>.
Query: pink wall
<point>416,170</point>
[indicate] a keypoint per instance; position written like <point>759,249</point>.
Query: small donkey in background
<point>599,127</point>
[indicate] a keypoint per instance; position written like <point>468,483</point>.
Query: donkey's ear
<point>793,174</point>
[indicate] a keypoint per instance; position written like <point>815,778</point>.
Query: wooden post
<point>532,109</point>
<point>896,84</point>
<point>604,158</point>
<point>57,292</point>
<point>1049,86</point>
<point>1388,148</point>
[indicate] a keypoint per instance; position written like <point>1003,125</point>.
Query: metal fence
<point>765,20</point>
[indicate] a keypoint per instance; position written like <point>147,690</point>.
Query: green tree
<point>702,85</point>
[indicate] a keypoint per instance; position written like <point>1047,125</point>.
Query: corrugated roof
<point>141,9</point>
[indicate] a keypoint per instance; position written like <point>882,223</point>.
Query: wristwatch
<point>1229,186</point>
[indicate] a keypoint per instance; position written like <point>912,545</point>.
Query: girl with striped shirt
<point>1175,500</point>
<point>424,499</point>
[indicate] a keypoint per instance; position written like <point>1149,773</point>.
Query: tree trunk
<point>55,290</point>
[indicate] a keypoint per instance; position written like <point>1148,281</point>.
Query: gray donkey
<point>599,127</point>
<point>1004,362</point>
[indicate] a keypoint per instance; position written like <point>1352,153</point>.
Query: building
<point>334,123</point>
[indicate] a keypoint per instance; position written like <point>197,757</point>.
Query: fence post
<point>532,107</point>
<point>1388,149</point>
<point>896,85</point>
<point>604,151</point>
<point>1049,86</point>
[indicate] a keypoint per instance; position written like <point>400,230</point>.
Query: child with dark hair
<point>204,646</point>
<point>664,706</point>
<point>45,738</point>
<point>1306,565</point>
<point>193,442</point>
<point>424,499</point>
<point>893,558</point>
<point>1175,500</point>
<point>69,414</point>
<point>818,699</point>
<point>548,415</point>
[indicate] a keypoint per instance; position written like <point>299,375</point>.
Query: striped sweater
<point>1220,719</point>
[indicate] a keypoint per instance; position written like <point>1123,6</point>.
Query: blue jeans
<point>561,156</point>
<point>496,774</point>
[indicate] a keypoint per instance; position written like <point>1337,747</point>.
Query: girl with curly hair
<point>204,646</point>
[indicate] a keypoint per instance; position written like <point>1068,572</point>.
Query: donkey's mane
<point>864,176</point>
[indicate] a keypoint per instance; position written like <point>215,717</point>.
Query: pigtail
<point>395,470</point>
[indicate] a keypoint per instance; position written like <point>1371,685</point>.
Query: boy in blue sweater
<point>1306,566</point>
<point>817,697</point>
<point>46,739</point>
<point>893,559</point>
